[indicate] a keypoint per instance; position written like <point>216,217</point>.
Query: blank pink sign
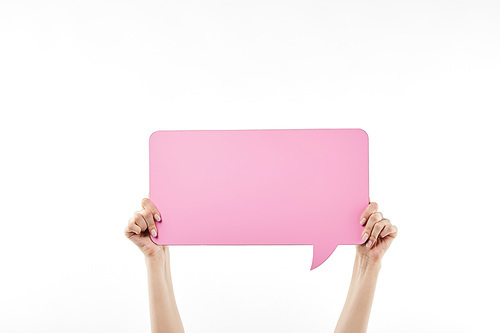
<point>260,187</point>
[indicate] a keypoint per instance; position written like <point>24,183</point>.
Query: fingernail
<point>153,232</point>
<point>157,217</point>
<point>365,237</point>
<point>369,244</point>
<point>362,220</point>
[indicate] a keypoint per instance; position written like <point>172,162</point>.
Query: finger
<point>140,221</point>
<point>132,227</point>
<point>370,209</point>
<point>389,230</point>
<point>149,205</point>
<point>376,230</point>
<point>148,217</point>
<point>374,218</point>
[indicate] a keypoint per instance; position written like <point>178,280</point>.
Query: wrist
<point>366,264</point>
<point>158,256</point>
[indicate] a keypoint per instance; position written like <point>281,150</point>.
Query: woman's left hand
<point>377,235</point>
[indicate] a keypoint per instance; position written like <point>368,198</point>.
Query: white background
<point>83,85</point>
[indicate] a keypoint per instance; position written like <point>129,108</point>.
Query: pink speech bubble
<point>260,187</point>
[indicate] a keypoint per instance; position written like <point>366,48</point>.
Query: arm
<point>163,309</point>
<point>164,314</point>
<point>378,235</point>
<point>354,316</point>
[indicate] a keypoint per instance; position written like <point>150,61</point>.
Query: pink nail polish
<point>362,220</point>
<point>153,232</point>
<point>365,237</point>
<point>157,217</point>
<point>369,244</point>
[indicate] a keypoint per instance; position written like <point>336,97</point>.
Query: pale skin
<point>378,234</point>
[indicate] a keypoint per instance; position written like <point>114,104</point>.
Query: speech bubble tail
<point>321,252</point>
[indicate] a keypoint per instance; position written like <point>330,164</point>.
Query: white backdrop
<point>83,85</point>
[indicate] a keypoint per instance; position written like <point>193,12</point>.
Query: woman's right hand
<point>141,224</point>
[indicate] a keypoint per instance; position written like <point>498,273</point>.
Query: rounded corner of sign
<point>151,137</point>
<point>155,240</point>
<point>364,132</point>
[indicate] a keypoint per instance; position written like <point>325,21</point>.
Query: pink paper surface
<point>260,187</point>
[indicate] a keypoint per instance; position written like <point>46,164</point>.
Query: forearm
<point>164,314</point>
<point>356,312</point>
